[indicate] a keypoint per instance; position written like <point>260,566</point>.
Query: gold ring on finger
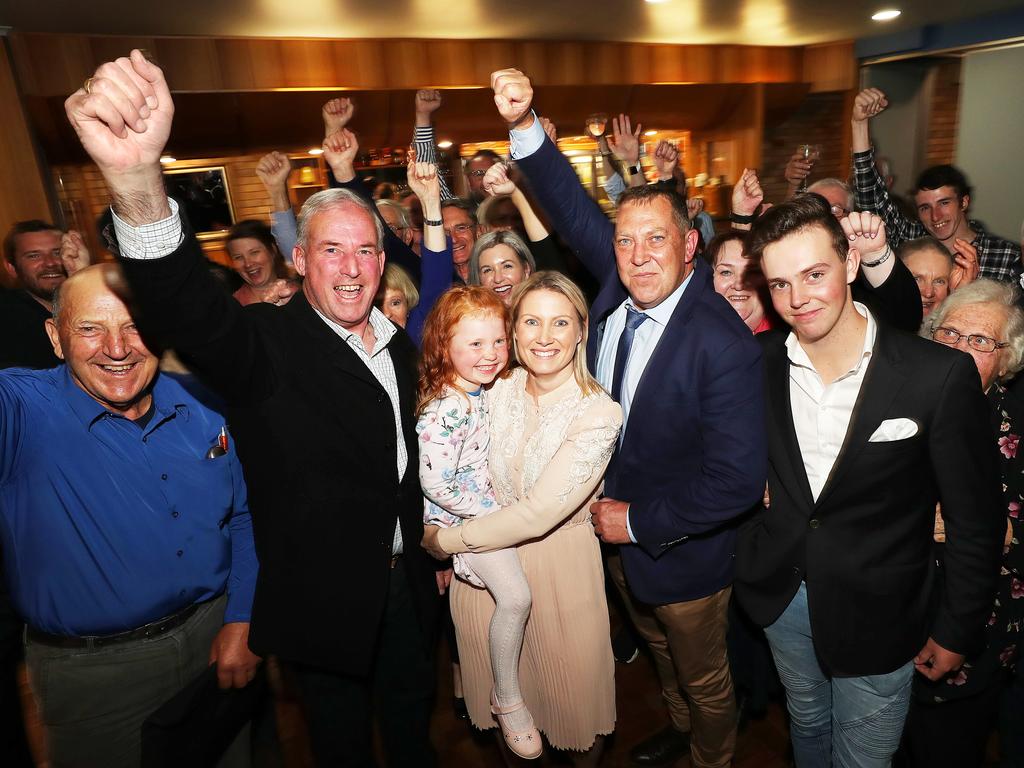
<point>87,85</point>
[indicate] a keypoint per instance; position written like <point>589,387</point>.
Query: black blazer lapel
<point>781,430</point>
<point>326,343</point>
<point>882,381</point>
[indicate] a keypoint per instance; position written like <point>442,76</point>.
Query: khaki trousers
<point>687,641</point>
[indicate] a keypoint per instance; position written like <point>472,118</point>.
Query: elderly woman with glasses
<point>950,720</point>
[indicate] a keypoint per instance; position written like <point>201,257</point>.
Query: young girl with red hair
<point>465,347</point>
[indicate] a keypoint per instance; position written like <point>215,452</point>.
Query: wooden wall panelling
<point>194,62</point>
<point>22,186</point>
<point>830,67</point>
<point>56,64</point>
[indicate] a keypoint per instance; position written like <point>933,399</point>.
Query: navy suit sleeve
<point>734,465</point>
<point>395,251</point>
<point>437,278</point>
<point>965,464</point>
<point>574,214</point>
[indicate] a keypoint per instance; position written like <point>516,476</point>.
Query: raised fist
<point>747,195</point>
<point>273,170</point>
<point>513,96</point>
<point>868,103</point>
<point>122,115</point>
<point>427,101</point>
<point>496,181</point>
<point>336,114</point>
<point>866,232</point>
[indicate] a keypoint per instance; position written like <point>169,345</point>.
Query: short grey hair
<point>399,210</point>
<point>333,198</point>
<point>501,237</point>
<point>836,184</point>
<point>986,291</point>
<point>56,302</point>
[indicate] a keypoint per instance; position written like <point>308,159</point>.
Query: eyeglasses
<point>397,229</point>
<point>458,229</point>
<point>976,341</point>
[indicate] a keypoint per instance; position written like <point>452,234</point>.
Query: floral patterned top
<point>454,441</point>
<point>1003,631</point>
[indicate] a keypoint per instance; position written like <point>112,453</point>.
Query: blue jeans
<point>848,722</point>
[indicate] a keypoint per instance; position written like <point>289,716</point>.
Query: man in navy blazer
<point>692,456</point>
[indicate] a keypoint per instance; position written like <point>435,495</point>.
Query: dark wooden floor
<point>762,744</point>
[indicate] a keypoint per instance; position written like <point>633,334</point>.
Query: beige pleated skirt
<point>566,671</point>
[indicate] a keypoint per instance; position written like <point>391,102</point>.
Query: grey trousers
<point>93,702</point>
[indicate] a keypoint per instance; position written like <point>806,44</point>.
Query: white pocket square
<point>894,429</point>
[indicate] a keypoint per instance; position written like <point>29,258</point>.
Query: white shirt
<point>821,413</point>
<point>645,341</point>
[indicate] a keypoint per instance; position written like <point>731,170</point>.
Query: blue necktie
<point>634,319</point>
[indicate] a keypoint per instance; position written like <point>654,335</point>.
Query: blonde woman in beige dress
<point>553,430</point>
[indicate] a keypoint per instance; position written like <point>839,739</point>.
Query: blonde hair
<point>558,283</point>
<point>397,279</point>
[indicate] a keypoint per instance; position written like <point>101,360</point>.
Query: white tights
<point>503,574</point>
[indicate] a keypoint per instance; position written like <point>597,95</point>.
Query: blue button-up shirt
<point>106,526</point>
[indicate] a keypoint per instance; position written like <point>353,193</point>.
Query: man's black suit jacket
<point>865,547</point>
<point>315,433</point>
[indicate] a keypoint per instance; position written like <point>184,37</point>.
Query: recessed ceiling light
<point>445,144</point>
<point>887,15</point>
<point>167,159</point>
<point>316,150</point>
<point>650,133</point>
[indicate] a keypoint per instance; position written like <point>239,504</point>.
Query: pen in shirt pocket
<point>222,445</point>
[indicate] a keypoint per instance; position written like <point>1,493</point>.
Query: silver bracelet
<point>881,260</point>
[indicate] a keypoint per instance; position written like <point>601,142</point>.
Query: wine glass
<point>596,123</point>
<point>811,153</point>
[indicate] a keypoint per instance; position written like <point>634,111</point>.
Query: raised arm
<point>569,480</point>
<point>576,216</point>
<point>625,144</point>
<point>272,170</point>
<point>884,283</point>
<point>123,121</point>
<point>870,190</point>
<point>427,103</point>
<point>497,182</point>
<point>425,182</point>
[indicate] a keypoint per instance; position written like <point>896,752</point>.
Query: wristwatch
<point>635,170</point>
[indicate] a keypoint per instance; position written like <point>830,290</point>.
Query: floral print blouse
<point>454,441</point>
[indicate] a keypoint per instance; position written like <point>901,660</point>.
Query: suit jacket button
<point>815,522</point>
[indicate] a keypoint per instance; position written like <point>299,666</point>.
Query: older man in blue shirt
<point>125,530</point>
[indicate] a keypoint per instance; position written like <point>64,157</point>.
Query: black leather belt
<point>153,629</point>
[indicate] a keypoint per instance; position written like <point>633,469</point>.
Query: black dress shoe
<point>459,708</point>
<point>663,748</point>
<point>624,646</point>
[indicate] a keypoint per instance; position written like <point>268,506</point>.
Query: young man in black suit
<point>320,394</point>
<point>868,428</point>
